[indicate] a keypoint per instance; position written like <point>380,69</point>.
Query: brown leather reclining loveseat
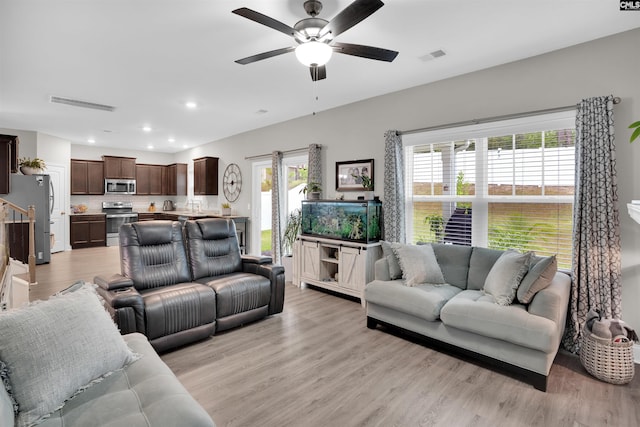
<point>179,284</point>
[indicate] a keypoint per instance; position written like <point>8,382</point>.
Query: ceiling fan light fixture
<point>313,52</point>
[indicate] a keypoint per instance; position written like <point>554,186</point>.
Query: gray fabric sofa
<point>522,339</point>
<point>145,393</point>
<point>182,284</point>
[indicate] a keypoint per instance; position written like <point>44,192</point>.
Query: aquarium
<point>353,220</point>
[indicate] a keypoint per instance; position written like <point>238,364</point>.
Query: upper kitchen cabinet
<point>8,161</point>
<point>119,167</point>
<point>87,177</point>
<point>175,179</point>
<point>205,176</point>
<point>149,179</point>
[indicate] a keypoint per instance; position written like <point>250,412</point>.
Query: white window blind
<point>500,185</point>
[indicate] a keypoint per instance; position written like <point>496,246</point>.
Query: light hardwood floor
<point>316,364</point>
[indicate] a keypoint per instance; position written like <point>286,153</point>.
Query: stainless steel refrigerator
<point>35,190</point>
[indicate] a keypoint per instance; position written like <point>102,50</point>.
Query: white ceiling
<point>148,57</point>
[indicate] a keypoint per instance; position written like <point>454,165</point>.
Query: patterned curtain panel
<point>596,234</point>
<point>393,203</point>
<point>276,206</point>
<point>315,163</point>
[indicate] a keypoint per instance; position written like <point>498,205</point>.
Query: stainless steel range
<point>117,213</point>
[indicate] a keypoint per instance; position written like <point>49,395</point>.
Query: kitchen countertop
<point>87,213</point>
<point>203,214</point>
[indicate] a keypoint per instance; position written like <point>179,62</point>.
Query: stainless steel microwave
<point>119,186</point>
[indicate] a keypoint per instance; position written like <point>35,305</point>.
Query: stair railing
<point>12,214</point>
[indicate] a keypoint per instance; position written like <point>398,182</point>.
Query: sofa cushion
<point>505,276</point>
<point>177,308</point>
<point>212,246</point>
<point>480,263</point>
<point>395,271</point>
<point>419,264</point>
<point>239,292</point>
<point>539,277</point>
<point>454,263</point>
<point>57,348</point>
<point>475,312</point>
<point>423,301</point>
<point>145,393</point>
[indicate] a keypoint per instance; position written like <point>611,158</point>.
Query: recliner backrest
<point>213,247</point>
<point>152,254</point>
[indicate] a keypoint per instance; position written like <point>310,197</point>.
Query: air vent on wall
<point>82,104</point>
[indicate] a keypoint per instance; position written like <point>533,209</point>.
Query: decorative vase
<point>368,195</point>
<point>314,196</point>
<point>226,211</point>
<point>26,170</point>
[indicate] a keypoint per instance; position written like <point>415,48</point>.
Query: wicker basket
<point>606,360</point>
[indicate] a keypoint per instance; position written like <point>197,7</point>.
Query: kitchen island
<point>242,222</point>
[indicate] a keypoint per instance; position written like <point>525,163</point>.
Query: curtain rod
<point>616,100</point>
<point>294,150</point>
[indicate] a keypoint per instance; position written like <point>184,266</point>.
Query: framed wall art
<point>349,174</point>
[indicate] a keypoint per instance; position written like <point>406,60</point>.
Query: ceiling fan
<point>315,36</point>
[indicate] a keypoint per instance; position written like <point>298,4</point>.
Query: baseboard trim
<point>636,353</point>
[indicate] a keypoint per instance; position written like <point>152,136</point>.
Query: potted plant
<point>367,184</point>
<point>226,209</point>
<point>312,190</point>
<point>636,132</point>
<point>289,236</point>
<point>30,166</point>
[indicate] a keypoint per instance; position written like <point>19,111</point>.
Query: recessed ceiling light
<point>172,140</point>
<point>91,141</point>
<point>185,146</point>
<point>191,105</point>
<point>149,147</point>
<point>147,128</point>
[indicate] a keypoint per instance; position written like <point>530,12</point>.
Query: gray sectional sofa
<point>145,393</point>
<point>460,317</point>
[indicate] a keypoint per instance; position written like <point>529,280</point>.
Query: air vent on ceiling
<point>82,104</point>
<point>433,55</point>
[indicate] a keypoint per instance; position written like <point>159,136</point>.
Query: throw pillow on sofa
<point>419,264</point>
<point>395,271</point>
<point>55,349</point>
<point>539,277</point>
<point>505,276</point>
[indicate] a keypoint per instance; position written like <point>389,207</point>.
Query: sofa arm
<point>126,307</point>
<point>113,282</point>
<point>553,301</point>
<point>252,259</point>
<point>381,270</point>
<point>275,274</point>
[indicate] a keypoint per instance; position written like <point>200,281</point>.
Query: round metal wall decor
<point>232,182</point>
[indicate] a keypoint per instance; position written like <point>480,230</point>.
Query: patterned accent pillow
<point>57,348</point>
<point>419,264</point>
<point>395,272</point>
<point>504,277</point>
<point>538,278</point>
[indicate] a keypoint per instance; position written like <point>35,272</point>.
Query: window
<point>501,185</point>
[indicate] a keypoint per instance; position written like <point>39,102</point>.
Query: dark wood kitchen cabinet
<point>87,177</point>
<point>175,179</point>
<point>119,167</point>
<point>205,176</point>
<point>149,180</point>
<point>88,231</point>
<point>8,161</point>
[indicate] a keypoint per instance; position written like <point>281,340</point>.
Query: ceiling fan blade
<point>318,72</point>
<point>268,21</point>
<point>265,55</point>
<point>350,16</point>
<point>368,52</point>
